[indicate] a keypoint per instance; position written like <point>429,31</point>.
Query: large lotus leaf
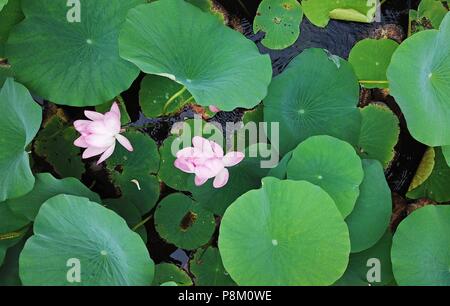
<point>46,187</point>
<point>69,227</point>
<point>317,94</point>
<point>133,173</point>
<point>208,270</point>
<point>380,129</point>
<point>286,233</point>
<point>331,164</point>
<point>54,143</point>
<point>52,44</point>
<point>370,217</point>
<point>319,12</point>
<point>167,272</point>
<point>419,78</point>
<point>420,249</point>
<point>363,266</point>
<point>9,16</point>
<point>10,221</point>
<point>370,58</point>
<point>183,222</point>
<point>437,185</point>
<point>280,20</point>
<point>218,66</point>
<point>19,123</point>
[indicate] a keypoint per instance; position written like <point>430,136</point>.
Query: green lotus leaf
<point>52,43</point>
<point>70,229</point>
<point>133,173</point>
<point>156,93</point>
<point>331,164</point>
<point>280,20</point>
<point>207,64</point>
<point>9,271</point>
<point>419,78</point>
<point>280,171</point>
<point>243,177</point>
<point>361,264</point>
<point>167,272</point>
<point>208,270</point>
<point>19,124</point>
<point>5,72</point>
<point>433,10</point>
<point>317,94</point>
<point>3,3</point>
<point>446,152</point>
<point>286,233</point>
<point>437,186</point>
<point>420,253</point>
<point>209,6</point>
<point>370,58</point>
<point>124,118</point>
<point>319,12</point>
<point>10,221</point>
<point>424,170</point>
<point>9,17</point>
<point>380,130</point>
<point>183,222</point>
<point>372,213</point>
<point>54,143</point>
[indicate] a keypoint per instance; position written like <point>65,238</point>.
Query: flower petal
<point>217,149</point>
<point>112,123</point>
<point>81,142</point>
<point>80,125</point>
<point>233,158</point>
<point>203,145</point>
<point>93,115</point>
<point>221,178</point>
<point>184,165</point>
<point>124,142</point>
<point>106,154</point>
<point>209,169</point>
<point>97,127</point>
<point>99,140</point>
<point>200,181</point>
<point>115,109</point>
<point>91,151</point>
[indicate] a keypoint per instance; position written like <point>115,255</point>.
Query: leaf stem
<point>173,98</point>
<point>374,82</point>
<point>137,226</point>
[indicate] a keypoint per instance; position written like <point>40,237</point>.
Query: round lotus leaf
<point>59,42</point>
<point>208,269</point>
<point>213,63</point>
<point>317,94</point>
<point>71,232</point>
<point>380,130</point>
<point>9,17</point>
<point>331,164</point>
<point>167,272</point>
<point>286,233</point>
<point>19,124</point>
<point>319,12</point>
<point>437,186</point>
<point>370,58</point>
<point>371,267</point>
<point>182,222</point>
<point>420,249</point>
<point>433,10</point>
<point>280,20</point>
<point>424,170</point>
<point>372,213</point>
<point>419,78</point>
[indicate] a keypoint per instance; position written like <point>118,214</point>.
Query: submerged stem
<point>173,98</point>
<point>137,226</point>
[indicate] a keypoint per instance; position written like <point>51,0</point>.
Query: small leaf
<point>208,269</point>
<point>167,272</point>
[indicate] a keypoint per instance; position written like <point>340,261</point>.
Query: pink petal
<point>217,149</point>
<point>115,109</point>
<point>100,140</point>
<point>233,158</point>
<point>80,125</point>
<point>124,142</point>
<point>112,123</point>
<point>188,152</point>
<point>209,169</point>
<point>93,115</point>
<point>214,109</point>
<point>203,145</point>
<point>184,165</point>
<point>221,178</point>
<point>106,154</point>
<point>80,142</point>
<point>200,181</point>
<point>97,127</point>
<point>90,152</point>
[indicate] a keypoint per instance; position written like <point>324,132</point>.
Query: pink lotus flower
<point>99,134</point>
<point>206,159</point>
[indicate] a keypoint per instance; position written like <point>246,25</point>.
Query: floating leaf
<point>319,12</point>
<point>134,172</point>
<point>420,253</point>
<point>167,272</point>
<point>331,164</point>
<point>419,78</point>
<point>19,124</point>
<point>207,64</point>
<point>208,269</point>
<point>380,130</point>
<point>437,186</point>
<point>108,252</point>
<point>9,221</point>
<point>364,265</point>
<point>54,143</point>
<point>209,6</point>
<point>287,233</point>
<point>280,20</point>
<point>424,170</point>
<point>52,44</point>
<point>433,10</point>
<point>317,94</point>
<point>9,17</point>
<point>370,58</point>
<point>370,217</point>
<point>182,222</point>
